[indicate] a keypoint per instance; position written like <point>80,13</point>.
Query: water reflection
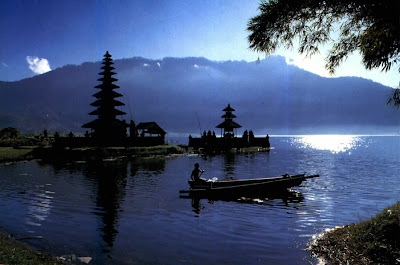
<point>333,143</point>
<point>39,208</point>
<point>111,179</point>
<point>150,164</point>
<point>196,205</point>
<point>288,197</point>
<point>229,165</point>
<point>108,185</point>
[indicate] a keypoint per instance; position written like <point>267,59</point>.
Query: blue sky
<point>39,35</point>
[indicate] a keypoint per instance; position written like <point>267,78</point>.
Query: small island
<point>209,142</point>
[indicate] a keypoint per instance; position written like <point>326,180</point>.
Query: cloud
<point>38,65</point>
<point>200,66</point>
<point>315,65</point>
<point>4,64</point>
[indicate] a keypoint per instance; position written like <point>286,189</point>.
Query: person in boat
<point>196,173</point>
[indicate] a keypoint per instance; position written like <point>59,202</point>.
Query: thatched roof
<point>150,127</point>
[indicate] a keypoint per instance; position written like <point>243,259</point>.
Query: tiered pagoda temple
<point>228,126</point>
<point>229,138</point>
<point>107,128</point>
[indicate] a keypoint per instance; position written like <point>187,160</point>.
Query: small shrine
<point>228,126</point>
<point>229,139</point>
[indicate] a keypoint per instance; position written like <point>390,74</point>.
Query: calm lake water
<point>131,213</point>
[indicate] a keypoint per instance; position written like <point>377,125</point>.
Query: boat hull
<point>246,187</point>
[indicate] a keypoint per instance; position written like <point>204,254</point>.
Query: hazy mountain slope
<point>269,97</point>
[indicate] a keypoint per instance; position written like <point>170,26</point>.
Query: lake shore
<point>10,154</point>
<point>374,241</point>
<point>13,251</point>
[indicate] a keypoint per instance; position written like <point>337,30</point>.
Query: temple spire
<point>107,126</point>
<point>228,125</point>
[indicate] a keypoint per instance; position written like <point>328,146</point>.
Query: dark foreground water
<point>131,213</point>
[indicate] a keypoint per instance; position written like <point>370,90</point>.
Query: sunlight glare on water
<point>333,143</point>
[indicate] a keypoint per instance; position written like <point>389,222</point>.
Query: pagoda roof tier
<point>228,108</point>
<point>108,67</point>
<point>105,72</point>
<point>107,56</point>
<point>107,79</point>
<point>100,94</point>
<point>113,112</point>
<point>100,102</point>
<point>107,62</point>
<point>103,123</point>
<point>228,125</point>
<point>228,116</point>
<point>106,85</point>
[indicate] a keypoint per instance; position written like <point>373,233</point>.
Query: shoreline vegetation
<point>13,251</point>
<point>374,241</point>
<point>21,153</point>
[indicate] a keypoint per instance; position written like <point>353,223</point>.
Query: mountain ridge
<point>269,96</point>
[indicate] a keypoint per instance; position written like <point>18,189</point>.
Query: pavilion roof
<point>150,127</point>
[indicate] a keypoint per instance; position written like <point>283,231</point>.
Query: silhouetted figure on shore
<point>196,173</point>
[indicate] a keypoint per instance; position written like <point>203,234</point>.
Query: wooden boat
<point>246,187</point>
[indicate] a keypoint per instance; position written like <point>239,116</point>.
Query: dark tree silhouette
<point>371,27</point>
<point>10,132</point>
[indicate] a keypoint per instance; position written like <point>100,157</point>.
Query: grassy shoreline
<point>16,252</point>
<point>10,154</point>
<point>374,241</point>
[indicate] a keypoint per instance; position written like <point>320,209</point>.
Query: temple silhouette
<point>107,129</point>
<point>228,125</point>
<point>229,138</point>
